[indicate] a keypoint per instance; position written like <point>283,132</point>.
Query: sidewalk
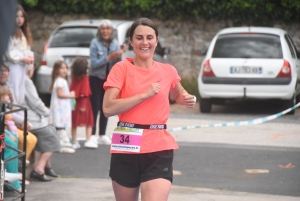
<point>75,189</point>
<point>70,189</point>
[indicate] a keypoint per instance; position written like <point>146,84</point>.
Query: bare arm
<point>113,106</point>
<point>182,96</point>
<point>61,94</point>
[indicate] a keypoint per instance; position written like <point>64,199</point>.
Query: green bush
<point>191,86</point>
<point>252,12</point>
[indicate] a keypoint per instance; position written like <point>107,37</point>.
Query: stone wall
<point>185,39</point>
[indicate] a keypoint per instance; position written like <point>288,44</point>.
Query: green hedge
<point>254,12</point>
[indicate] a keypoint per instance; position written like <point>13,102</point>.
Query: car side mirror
<point>203,50</point>
<point>166,50</point>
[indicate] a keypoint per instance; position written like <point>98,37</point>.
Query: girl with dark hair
<point>82,115</point>
<point>104,53</point>
<point>137,91</point>
<point>20,57</point>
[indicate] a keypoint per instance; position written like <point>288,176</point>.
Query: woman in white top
<point>20,57</point>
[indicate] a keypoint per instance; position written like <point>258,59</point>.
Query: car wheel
<point>205,105</point>
<point>290,103</point>
<point>46,98</point>
<point>298,99</point>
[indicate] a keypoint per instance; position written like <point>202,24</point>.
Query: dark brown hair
<point>55,72</point>
<point>144,22</point>
<point>79,68</point>
<point>24,28</point>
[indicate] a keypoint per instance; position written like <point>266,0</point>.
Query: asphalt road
<point>206,165</point>
<point>233,167</point>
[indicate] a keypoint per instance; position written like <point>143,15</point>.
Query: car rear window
<point>248,46</point>
<point>73,37</point>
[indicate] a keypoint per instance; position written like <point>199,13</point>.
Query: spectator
<point>48,141</point>
<point>18,117</point>
<point>104,53</point>
<point>20,57</point>
<point>10,139</point>
<point>82,115</point>
<point>60,106</point>
<point>4,98</point>
<point>12,166</point>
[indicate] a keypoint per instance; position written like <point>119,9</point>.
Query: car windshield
<point>74,37</point>
<point>248,46</point>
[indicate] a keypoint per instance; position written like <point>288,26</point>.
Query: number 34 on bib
<point>127,139</point>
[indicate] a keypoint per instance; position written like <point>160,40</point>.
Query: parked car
<point>72,39</point>
<point>250,63</point>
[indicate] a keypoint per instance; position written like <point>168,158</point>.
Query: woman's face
<point>144,41</point>
<point>106,32</point>
<point>20,18</point>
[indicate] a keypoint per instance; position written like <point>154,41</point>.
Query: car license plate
<point>246,70</point>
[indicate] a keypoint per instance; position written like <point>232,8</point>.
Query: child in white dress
<point>61,102</point>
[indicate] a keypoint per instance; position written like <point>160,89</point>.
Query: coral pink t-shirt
<point>133,80</point>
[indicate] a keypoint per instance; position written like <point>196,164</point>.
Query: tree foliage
<point>254,12</point>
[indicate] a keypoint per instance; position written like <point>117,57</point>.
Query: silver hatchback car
<point>72,39</point>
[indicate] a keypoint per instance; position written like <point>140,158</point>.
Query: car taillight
<point>207,71</point>
<point>285,71</point>
<point>44,62</point>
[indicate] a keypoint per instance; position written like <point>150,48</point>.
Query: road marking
<point>176,173</point>
<point>288,166</point>
<point>275,137</point>
<point>257,171</point>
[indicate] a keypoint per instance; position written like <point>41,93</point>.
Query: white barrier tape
<point>238,123</point>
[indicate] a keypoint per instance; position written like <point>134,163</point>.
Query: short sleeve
<point>116,77</point>
<point>175,77</point>
<point>60,83</point>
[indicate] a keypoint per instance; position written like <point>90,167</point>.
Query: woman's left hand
<point>189,100</point>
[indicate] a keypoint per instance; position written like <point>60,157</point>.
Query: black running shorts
<point>130,170</point>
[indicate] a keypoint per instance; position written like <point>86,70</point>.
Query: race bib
<point>127,139</point>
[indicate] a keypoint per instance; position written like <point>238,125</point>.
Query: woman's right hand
<point>28,60</point>
<point>153,89</point>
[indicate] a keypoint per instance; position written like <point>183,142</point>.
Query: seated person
<point>12,166</point>
<point>18,117</point>
<point>4,98</point>
<point>48,140</point>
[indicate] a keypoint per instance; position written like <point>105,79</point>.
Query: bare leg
<point>42,162</point>
<point>156,189</point>
<point>123,193</point>
<point>48,164</point>
<point>88,132</point>
<point>73,131</point>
